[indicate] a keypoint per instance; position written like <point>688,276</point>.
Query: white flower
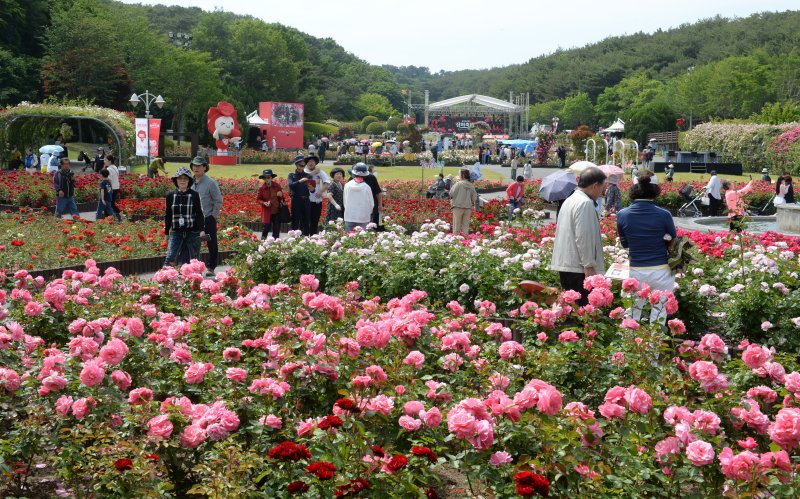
<point>766,325</point>
<point>463,288</point>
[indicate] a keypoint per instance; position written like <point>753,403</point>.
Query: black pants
<point>316,213</point>
<point>301,214</point>
<point>713,206</point>
<point>273,225</point>
<point>116,195</point>
<point>574,281</point>
<point>210,227</point>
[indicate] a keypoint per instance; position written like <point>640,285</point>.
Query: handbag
<point>284,217</point>
<point>678,255</point>
<point>705,201</point>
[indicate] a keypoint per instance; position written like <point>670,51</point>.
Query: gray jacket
<point>210,195</point>
<point>578,243</point>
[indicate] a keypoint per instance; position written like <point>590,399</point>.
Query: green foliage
<point>741,143</point>
<point>393,122</point>
<point>411,133</point>
<point>367,120</point>
<point>577,110</point>
<point>375,105</point>
<point>320,129</point>
<point>656,116</point>
<point>775,113</point>
<point>376,128</point>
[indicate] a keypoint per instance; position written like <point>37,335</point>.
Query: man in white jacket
<point>578,247</point>
<point>358,201</point>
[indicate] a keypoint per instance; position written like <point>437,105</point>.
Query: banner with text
<point>141,136</point>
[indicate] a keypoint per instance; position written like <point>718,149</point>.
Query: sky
<point>472,34</point>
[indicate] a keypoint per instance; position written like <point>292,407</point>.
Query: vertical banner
<point>142,137</point>
<point>155,133</point>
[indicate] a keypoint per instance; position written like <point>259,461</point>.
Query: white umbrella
<point>611,170</point>
<point>579,166</point>
<point>51,149</point>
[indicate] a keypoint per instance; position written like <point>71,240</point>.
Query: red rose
<point>378,450</point>
<point>424,452</point>
<point>529,483</point>
<point>322,469</point>
<point>297,487</point>
<point>330,422</point>
<point>123,464</point>
<point>352,488</point>
<point>398,461</point>
<point>345,404</point>
<point>289,451</point>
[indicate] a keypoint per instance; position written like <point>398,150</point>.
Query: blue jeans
<point>513,204</point>
<point>104,210</point>
<point>66,203</point>
<point>182,247</point>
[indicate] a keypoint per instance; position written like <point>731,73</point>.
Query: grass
<point>384,173</point>
<point>703,177</point>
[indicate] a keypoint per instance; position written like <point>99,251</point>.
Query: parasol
<point>557,186</point>
<point>579,166</point>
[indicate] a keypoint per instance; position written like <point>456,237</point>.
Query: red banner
<point>286,122</point>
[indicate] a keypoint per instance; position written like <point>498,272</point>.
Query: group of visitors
<point>644,228</point>
<point>191,213</point>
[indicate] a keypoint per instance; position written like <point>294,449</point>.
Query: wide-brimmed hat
<point>200,161</point>
<point>298,159</point>
<point>264,173</point>
<point>183,171</point>
<point>670,165</point>
<point>361,170</point>
<point>764,170</point>
<point>312,157</point>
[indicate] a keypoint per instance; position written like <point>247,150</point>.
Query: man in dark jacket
<point>300,190</point>
<point>64,184</point>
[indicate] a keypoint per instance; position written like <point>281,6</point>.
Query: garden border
<point>126,267</point>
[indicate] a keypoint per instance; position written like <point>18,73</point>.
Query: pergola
<point>475,105</point>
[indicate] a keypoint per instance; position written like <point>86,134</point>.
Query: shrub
<point>319,128</point>
<point>376,128</point>
<point>747,144</point>
<point>367,120</point>
<point>392,123</point>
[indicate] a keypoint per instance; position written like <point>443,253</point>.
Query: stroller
<point>692,200</point>
<point>767,209</point>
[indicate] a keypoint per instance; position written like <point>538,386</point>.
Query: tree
<point>87,63</point>
<point>656,116</point>
<point>631,92</point>
<point>375,105</point>
<point>577,110</point>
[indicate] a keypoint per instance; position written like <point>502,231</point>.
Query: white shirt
<point>358,202</point>
<point>113,176</point>
<point>320,177</point>
<point>44,159</point>
<point>52,164</point>
<point>713,187</point>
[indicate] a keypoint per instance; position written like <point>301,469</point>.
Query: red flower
<point>289,451</point>
<point>330,422</point>
<point>529,483</point>
<point>297,487</point>
<point>352,488</point>
<point>431,494</point>
<point>152,457</point>
<point>424,452</point>
<point>17,242</point>
<point>345,404</point>
<point>123,464</point>
<point>321,469</point>
<point>378,450</point>
<point>398,461</point>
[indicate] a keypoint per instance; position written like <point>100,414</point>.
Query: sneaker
<point>210,273</point>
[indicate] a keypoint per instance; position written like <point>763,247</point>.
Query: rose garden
<point>384,364</point>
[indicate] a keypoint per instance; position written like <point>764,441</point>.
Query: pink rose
<point>382,404</point>
<point>93,372</point>
<point>792,382</point>
<point>500,458</point>
<point>549,401</point>
<point>700,453</point>
<point>236,374</point>
<point>630,324</point>
<point>140,396</point>
<point>666,448</point>
<point>638,400</point>
<point>415,358</point>
<point>568,337</point>
<point>271,421</point>
<point>739,466</point>
<point>196,372</point>
<point>755,356</point>
<point>159,426</point>
<point>192,436</point>
<point>121,379</point>
<point>676,326</point>
<point>63,405</point>
<point>785,431</point>
<point>114,351</point>
<point>81,407</point>
<point>233,354</point>
<point>9,380</point>
<point>409,424</point>
<point>413,407</point>
<point>432,418</point>
<point>483,437</point>
<point>460,422</point>
<point>611,411</point>
<point>703,370</point>
<point>510,349</point>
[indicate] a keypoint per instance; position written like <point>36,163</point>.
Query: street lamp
<point>148,99</point>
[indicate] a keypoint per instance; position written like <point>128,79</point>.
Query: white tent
<point>616,127</point>
<point>253,119</point>
<point>472,99</point>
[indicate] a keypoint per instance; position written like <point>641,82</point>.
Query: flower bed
<point>229,388</point>
<point>37,241</point>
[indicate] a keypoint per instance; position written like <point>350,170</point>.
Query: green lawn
<point>385,172</point>
<point>703,177</point>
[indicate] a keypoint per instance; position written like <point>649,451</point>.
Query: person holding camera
<point>64,184</point>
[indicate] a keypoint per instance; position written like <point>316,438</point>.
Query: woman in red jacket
<point>270,197</point>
